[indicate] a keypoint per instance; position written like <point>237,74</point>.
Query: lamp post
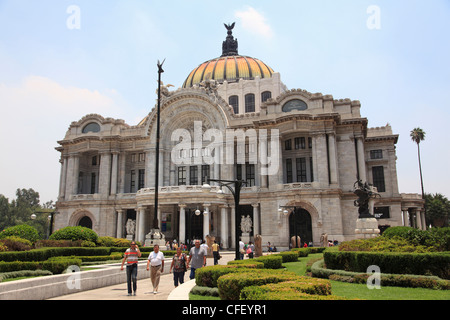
<point>236,195</point>
<point>51,215</point>
<point>158,123</point>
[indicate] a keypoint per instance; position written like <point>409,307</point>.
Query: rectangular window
<point>193,176</point>
<point>250,174</point>
<point>378,178</point>
<point>376,154</point>
<point>141,157</point>
<point>301,170</point>
<point>233,101</point>
<point>300,143</point>
<point>133,181</point>
<point>239,172</point>
<point>80,183</point>
<point>289,171</point>
<point>93,182</point>
<point>250,102</point>
<point>288,145</point>
<point>94,160</point>
<point>181,176</point>
<point>141,178</point>
<point>205,173</point>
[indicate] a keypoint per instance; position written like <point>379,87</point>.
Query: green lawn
<point>360,291</point>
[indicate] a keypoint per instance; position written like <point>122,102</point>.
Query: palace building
<point>300,154</point>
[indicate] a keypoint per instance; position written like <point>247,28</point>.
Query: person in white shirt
<point>156,260</point>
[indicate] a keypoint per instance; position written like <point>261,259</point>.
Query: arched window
<point>250,102</point>
<point>266,95</point>
<point>295,104</point>
<point>91,127</point>
<point>234,102</point>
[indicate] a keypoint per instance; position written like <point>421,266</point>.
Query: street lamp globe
<point>33,216</point>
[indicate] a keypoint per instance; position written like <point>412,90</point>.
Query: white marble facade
<point>324,146</point>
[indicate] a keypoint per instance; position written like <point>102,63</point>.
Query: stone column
<point>332,158</point>
<point>104,174</point>
<point>206,214</point>
<point>224,226</point>
<point>141,234</point>
<point>256,219</point>
<point>424,222</point>
<point>320,156</point>
<point>119,232</point>
<point>418,219</point>
<point>114,172</point>
<point>361,159</point>
<point>122,161</point>
<point>233,230</point>
<point>182,224</point>
<point>63,177</point>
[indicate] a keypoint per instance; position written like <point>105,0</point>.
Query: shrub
<point>437,239</point>
<point>288,256</point>
<point>14,243</point>
<point>231,285</point>
<point>271,261</point>
<point>205,291</point>
<point>390,262</point>
<point>57,243</point>
<point>24,273</point>
<point>304,285</point>
<point>249,263</point>
<point>208,276</point>
<point>381,244</point>
<point>75,233</point>
<point>23,231</point>
<point>302,252</point>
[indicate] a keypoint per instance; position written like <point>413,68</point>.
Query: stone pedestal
<point>367,228</point>
<point>245,238</point>
<point>155,237</point>
<point>130,237</point>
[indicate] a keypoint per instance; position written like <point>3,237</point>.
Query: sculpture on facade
<point>294,243</point>
<point>258,246</point>
<point>324,239</point>
<point>131,227</point>
<point>365,192</point>
<point>230,45</point>
<point>246,224</point>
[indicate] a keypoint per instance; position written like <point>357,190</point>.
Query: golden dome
<point>229,68</point>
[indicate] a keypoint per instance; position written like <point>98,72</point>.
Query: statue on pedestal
<point>365,192</point>
<point>131,229</point>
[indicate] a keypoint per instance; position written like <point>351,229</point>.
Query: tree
<point>417,135</point>
<point>438,210</point>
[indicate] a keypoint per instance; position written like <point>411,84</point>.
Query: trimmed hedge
<point>288,256</point>
<point>231,285</point>
<point>302,289</point>
<point>388,280</point>
<point>56,266</point>
<point>23,231</point>
<point>24,273</point>
<point>436,264</point>
<point>74,233</point>
<point>208,276</point>
<point>272,261</point>
<point>249,263</point>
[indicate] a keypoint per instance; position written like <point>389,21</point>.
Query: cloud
<point>35,114</point>
<point>254,22</point>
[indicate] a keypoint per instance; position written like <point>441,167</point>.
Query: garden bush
<point>302,252</point>
<point>391,280</point>
<point>436,264</point>
<point>304,285</point>
<point>205,291</point>
<point>436,239</point>
<point>231,285</point>
<point>271,261</point>
<point>56,266</point>
<point>75,233</point>
<point>23,231</point>
<point>14,243</point>
<point>249,263</point>
<point>208,276</point>
<point>288,256</point>
<point>24,273</point>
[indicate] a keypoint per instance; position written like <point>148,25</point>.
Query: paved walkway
<point>145,288</point>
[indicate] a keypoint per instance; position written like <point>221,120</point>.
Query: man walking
<point>198,257</point>
<point>132,255</point>
<point>156,260</point>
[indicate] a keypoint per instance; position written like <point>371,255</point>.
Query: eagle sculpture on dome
<point>230,45</point>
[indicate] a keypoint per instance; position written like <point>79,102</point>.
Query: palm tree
<point>417,135</point>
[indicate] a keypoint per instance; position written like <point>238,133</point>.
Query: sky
<point>61,60</point>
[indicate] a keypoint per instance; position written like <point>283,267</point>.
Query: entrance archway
<point>300,224</point>
<point>85,222</point>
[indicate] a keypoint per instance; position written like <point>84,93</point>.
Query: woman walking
<point>179,267</point>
